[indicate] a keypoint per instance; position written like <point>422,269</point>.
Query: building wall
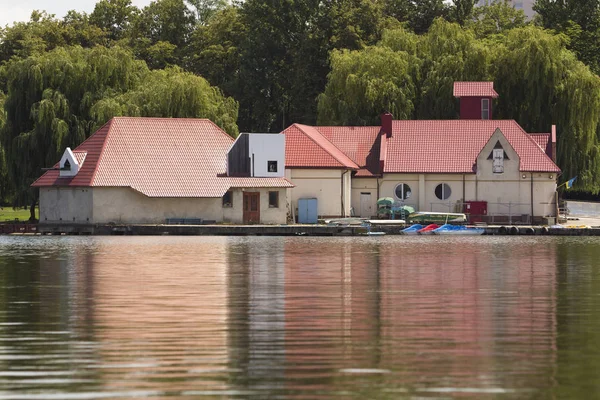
<point>265,147</point>
<point>66,204</point>
<point>326,185</point>
<point>470,107</point>
<point>125,205</point>
<point>507,193</point>
<point>364,185</point>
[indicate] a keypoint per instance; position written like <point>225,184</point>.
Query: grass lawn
<point>8,214</point>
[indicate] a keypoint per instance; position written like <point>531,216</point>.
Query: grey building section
<point>66,204</point>
<point>525,5</point>
<point>238,158</point>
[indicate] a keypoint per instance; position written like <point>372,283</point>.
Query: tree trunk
<point>32,210</point>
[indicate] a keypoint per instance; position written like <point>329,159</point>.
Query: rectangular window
<point>272,166</point>
<point>228,199</point>
<point>498,163</point>
<point>485,109</point>
<point>273,199</point>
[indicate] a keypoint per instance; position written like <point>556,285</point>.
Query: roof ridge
<point>328,141</point>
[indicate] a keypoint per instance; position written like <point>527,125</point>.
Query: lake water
<point>299,317</point>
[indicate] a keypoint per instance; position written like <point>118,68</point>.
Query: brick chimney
<point>386,132</point>
<point>553,144</point>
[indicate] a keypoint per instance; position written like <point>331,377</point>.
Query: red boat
<point>428,230</point>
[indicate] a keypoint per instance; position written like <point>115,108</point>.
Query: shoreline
<point>267,230</point>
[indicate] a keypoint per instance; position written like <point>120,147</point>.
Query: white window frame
<point>485,111</point>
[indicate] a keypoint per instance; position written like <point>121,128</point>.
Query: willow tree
<point>449,53</point>
<point>172,93</point>
<point>59,98</point>
<point>542,83</point>
<point>365,83</point>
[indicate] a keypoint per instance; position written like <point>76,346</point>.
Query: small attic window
<point>66,166</point>
<point>272,166</point>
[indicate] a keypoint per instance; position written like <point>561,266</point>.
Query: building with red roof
<point>156,170</point>
<point>431,165</point>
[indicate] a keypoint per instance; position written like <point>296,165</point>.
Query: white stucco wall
<point>267,147</point>
<point>66,205</point>
<point>506,193</point>
<point>364,185</point>
<point>326,185</point>
<point>125,205</point>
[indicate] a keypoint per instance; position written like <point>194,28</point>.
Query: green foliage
<point>206,9</point>
<point>44,32</point>
<point>580,21</point>
<point>214,50</point>
<point>59,98</point>
<point>363,84</point>
<point>115,17</point>
<point>496,18</point>
<point>171,93</point>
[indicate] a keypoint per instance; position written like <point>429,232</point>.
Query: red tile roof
<point>306,147</point>
<point>452,146</point>
<point>544,140</point>
<point>80,157</point>
<point>360,143</point>
<point>159,157</point>
<point>474,89</point>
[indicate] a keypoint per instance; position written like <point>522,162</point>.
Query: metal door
<point>366,208</point>
<point>251,207</point>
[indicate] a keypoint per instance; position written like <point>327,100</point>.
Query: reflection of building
<point>525,5</point>
<point>463,314</point>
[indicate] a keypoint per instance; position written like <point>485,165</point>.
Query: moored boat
<point>448,229</point>
<point>411,230</point>
<point>428,230</point>
<point>436,217</point>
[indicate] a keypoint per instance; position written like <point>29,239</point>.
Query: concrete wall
<point>326,185</point>
<point>65,204</point>
<point>125,205</point>
<point>364,185</point>
<point>267,147</point>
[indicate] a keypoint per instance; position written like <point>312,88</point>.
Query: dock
<point>264,230</point>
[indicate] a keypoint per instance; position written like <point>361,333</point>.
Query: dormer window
<point>485,108</point>
<point>66,166</point>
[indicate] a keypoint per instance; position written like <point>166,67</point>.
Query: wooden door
<point>251,207</point>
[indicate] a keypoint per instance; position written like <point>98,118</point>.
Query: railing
<point>496,212</point>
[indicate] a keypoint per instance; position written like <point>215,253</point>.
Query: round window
<point>442,191</point>
<point>402,191</point>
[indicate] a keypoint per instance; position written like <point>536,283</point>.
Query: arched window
<point>442,191</point>
<point>402,191</point>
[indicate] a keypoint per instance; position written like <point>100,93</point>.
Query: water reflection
<point>178,317</point>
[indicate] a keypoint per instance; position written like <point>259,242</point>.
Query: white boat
<point>436,217</point>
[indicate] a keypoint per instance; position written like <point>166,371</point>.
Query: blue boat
<point>411,230</point>
<point>448,229</point>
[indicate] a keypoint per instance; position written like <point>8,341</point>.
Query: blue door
<point>307,211</point>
